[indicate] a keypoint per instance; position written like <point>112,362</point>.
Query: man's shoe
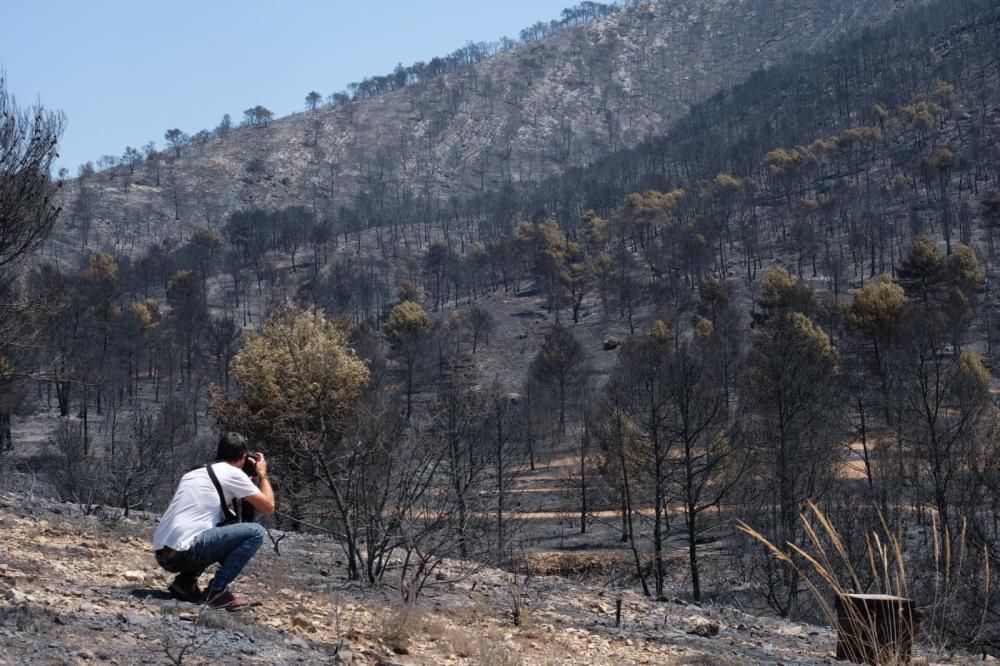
<point>185,587</point>
<point>225,599</point>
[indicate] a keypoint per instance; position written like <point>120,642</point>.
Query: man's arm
<point>263,501</point>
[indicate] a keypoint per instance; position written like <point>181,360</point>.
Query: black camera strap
<point>229,516</point>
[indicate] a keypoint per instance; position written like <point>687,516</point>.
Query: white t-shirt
<point>196,507</point>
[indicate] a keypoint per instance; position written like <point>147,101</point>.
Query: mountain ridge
<point>525,114</point>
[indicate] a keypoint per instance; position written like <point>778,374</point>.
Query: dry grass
<point>517,589</point>
<point>888,639</point>
<point>400,622</point>
<point>462,643</point>
<point>434,627</point>
<point>574,564</point>
<point>220,619</point>
<point>494,653</point>
<point>458,641</point>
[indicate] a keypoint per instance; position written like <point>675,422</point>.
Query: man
<point>187,540</point>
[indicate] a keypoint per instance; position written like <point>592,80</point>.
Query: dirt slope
<point>80,589</point>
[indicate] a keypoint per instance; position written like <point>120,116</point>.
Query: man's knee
<point>256,533</point>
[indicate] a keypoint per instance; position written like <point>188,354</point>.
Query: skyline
<point>124,73</point>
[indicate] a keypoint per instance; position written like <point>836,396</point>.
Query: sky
<point>125,72</point>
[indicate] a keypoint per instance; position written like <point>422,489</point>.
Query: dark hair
<point>232,447</point>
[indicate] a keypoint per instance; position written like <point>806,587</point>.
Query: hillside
<point>106,605</point>
<point>847,85</point>
<point>516,118</point>
<point>609,293</point>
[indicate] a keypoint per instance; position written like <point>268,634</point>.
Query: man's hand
<point>264,500</point>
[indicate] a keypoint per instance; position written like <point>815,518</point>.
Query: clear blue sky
<point>124,72</point>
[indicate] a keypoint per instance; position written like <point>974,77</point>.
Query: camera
<point>250,464</point>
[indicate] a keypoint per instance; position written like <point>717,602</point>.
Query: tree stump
<point>875,628</point>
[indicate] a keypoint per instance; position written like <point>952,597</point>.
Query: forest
<point>785,299</point>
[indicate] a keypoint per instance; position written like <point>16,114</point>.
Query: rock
<point>132,618</point>
<point>15,596</point>
<point>86,607</point>
<point>704,628</point>
<point>611,343</point>
<point>134,576</point>
<point>344,656</point>
<point>299,642</point>
<point>86,655</point>
<point>301,621</point>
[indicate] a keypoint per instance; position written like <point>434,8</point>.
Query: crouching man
<point>191,535</point>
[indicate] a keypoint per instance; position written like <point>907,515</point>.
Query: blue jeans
<point>231,546</point>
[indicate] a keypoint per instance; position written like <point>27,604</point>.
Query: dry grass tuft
<point>886,574</point>
<point>222,620</point>
<point>400,622</point>
<point>495,653</point>
<point>461,642</point>
<point>434,627</point>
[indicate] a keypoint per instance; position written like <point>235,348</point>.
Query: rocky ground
<point>76,589</point>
